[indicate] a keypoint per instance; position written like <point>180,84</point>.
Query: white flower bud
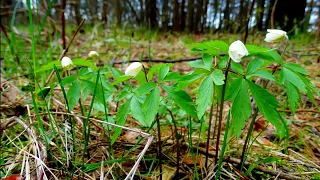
<point>93,54</point>
<point>237,50</point>
<point>275,35</point>
<point>133,69</point>
<point>66,62</point>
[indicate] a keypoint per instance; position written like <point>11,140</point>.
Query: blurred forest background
<point>198,16</point>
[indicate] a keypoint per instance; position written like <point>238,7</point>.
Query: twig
<point>300,110</point>
<point>63,53</point>
<point>153,60</point>
<point>272,13</point>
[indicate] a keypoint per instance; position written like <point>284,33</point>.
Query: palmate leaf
<point>163,72</point>
<point>145,88</point>
<point>207,60</point>
<point>136,110</point>
<point>293,96</point>
<point>182,99</point>
<point>211,47</point>
<point>233,89</point>
<point>264,53</point>
<point>267,105</point>
<point>218,77</point>
<point>263,74</point>
<point>73,95</point>
<point>253,66</point>
<point>296,67</point>
<point>311,89</point>
<point>197,64</point>
<point>289,76</point>
<point>204,95</point>
<point>121,118</point>
<point>150,106</point>
<point>241,108</point>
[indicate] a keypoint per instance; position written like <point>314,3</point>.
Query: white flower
<point>66,62</point>
<point>275,35</point>
<point>237,50</point>
<point>133,69</point>
<point>93,54</point>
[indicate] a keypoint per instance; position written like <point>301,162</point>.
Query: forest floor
<point>115,47</point>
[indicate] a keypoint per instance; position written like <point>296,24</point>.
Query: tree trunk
<point>197,23</point>
<point>259,14</point>
<point>204,16</point>
<point>190,15</point>
<point>104,17</point>
<point>142,13</point>
<point>227,16</point>
<point>182,16</point>
<point>165,15</point>
<point>267,22</point>
<point>77,12</point>
<point>119,11</point>
<point>153,14</point>
<point>308,16</point>
<point>175,19</point>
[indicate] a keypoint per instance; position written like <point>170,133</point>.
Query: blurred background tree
<point>196,16</point>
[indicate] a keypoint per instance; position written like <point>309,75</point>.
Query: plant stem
<point>159,145</point>
<point>208,136</point>
<point>247,138</point>
<point>177,145</point>
<point>221,110</point>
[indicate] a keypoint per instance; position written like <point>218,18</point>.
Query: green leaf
<point>136,110</point>
<point>218,77</point>
<point>44,92</point>
<point>49,66</point>
<point>264,53</point>
<point>207,60</point>
<point>267,105</point>
<point>68,80</point>
<point>84,62</point>
<point>237,67</point>
<point>241,109</point>
<point>204,95</point>
<point>151,106</point>
<point>197,64</point>
<point>186,80</point>
<point>155,69</point>
<point>233,89</point>
<point>288,76</point>
<point>263,74</point>
<point>120,79</point>
<point>293,96</point>
<point>74,94</point>
<point>253,65</point>
<point>163,73</point>
<point>173,76</point>
<point>211,47</point>
<point>223,62</point>
<point>121,118</point>
<point>296,67</point>
<point>91,86</point>
<point>182,99</point>
<point>266,160</point>
<point>141,78</point>
<point>145,88</point>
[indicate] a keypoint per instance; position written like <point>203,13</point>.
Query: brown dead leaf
<point>12,177</point>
